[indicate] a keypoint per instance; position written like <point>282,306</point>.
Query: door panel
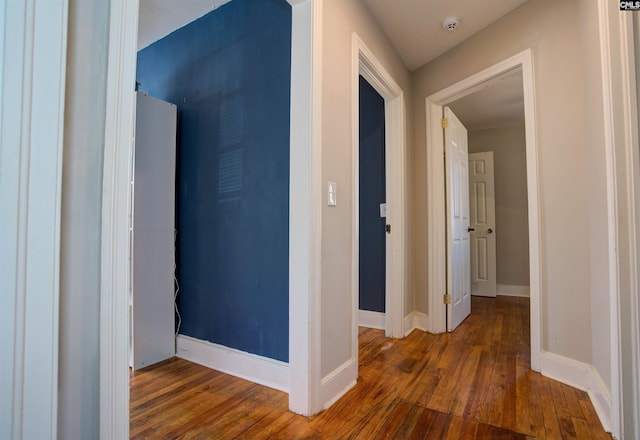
<point>482,219</point>
<point>458,245</point>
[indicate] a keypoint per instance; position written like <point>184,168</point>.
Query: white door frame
<point>366,64</point>
<point>116,199</point>
<point>620,113</point>
<point>436,234</point>
<point>305,207</point>
<point>33,54</point>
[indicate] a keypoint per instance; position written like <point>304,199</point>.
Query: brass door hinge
<point>444,123</point>
<point>447,298</point>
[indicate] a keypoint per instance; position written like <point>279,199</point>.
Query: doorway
<point>366,66</point>
<point>498,214</point>
<point>372,186</point>
<point>522,63</point>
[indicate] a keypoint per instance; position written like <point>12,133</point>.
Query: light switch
<point>332,194</point>
<point>383,210</point>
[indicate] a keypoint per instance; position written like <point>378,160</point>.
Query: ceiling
<point>499,104</point>
<point>158,18</point>
<point>414,28</point>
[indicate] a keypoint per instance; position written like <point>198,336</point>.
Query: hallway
<point>473,383</point>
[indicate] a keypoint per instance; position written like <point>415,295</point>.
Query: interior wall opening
<point>232,186</point>
<point>436,231</point>
<point>371,208</point>
<point>498,200</point>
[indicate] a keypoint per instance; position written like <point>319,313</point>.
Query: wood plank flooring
<point>473,383</point>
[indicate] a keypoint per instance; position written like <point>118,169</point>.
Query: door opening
<point>522,65</point>
<point>366,66</point>
<point>372,186</point>
<point>498,223</point>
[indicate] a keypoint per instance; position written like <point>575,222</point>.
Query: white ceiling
<point>158,18</point>
<point>414,29</point>
<point>497,105</point>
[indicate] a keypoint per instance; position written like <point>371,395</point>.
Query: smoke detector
<point>450,24</point>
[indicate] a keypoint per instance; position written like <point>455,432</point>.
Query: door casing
<point>436,232</point>
<point>366,64</point>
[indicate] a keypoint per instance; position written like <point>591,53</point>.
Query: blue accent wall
<point>229,74</point>
<point>372,193</point>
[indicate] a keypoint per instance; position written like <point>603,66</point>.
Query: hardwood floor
<point>473,383</point>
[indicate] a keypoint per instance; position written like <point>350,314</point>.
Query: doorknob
<point>470,229</point>
<point>489,230</point>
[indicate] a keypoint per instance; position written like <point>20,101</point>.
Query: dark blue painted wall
<point>372,194</point>
<point>229,74</point>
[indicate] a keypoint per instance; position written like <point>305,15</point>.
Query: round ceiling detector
<point>450,23</point>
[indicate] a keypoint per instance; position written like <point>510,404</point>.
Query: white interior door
<point>458,246</point>
<point>483,222</point>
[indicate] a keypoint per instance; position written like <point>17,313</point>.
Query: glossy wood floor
<point>473,383</point>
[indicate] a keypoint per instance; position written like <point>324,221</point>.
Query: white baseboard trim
<point>367,318</point>
<point>414,321</point>
<point>565,370</point>
<point>264,371</point>
<point>582,376</point>
<point>407,324</point>
<point>601,399</point>
<point>336,384</point>
<point>513,290</point>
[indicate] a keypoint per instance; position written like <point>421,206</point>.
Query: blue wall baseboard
<point>229,73</point>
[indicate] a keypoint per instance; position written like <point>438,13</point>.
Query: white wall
<point>510,178</point>
<point>552,29</point>
<point>340,19</point>
<point>78,399</point>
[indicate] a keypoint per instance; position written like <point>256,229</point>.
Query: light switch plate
<point>383,210</point>
<point>332,194</point>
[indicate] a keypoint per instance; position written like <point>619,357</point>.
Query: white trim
<point>415,321</point>
<point>609,143</point>
<point>32,93</point>
<point>264,371</point>
<point>436,221</point>
<point>337,383</point>
<point>582,376</point>
<point>114,283</point>
<point>566,370</point>
<point>623,197</point>
<point>600,398</point>
<point>629,321</point>
<point>305,199</point>
<point>436,237</point>
<point>366,64</point>
<point>369,319</point>
<point>513,290</point>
